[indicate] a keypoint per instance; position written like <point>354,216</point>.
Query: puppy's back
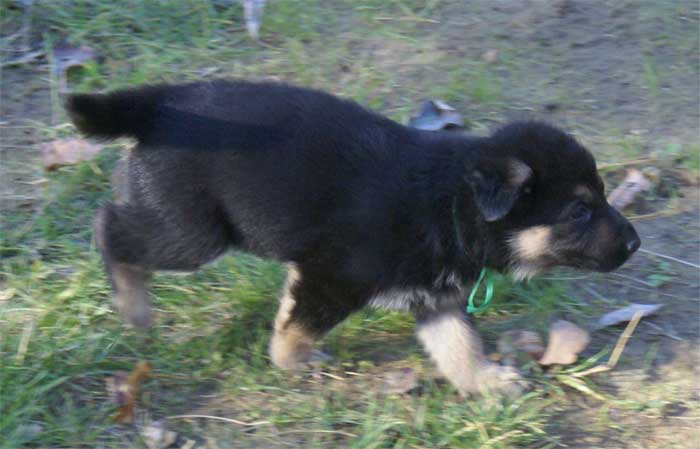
<point>213,115</point>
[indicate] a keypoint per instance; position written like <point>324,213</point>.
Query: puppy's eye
<point>580,212</point>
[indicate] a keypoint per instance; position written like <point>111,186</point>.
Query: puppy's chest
<point>446,292</point>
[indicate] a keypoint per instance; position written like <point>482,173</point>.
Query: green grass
<point>61,340</point>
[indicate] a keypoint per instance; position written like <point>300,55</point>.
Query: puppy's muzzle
<point>627,241</point>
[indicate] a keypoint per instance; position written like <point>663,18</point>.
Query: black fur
<point>360,204</point>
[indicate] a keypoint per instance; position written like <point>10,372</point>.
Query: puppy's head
<point>544,204</point>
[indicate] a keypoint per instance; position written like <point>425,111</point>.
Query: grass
<point>60,339</point>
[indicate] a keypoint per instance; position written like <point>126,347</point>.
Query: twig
<point>630,278</point>
<point>334,432</point>
<point>655,292</point>
<point>664,213</point>
<point>594,370</point>
<point>661,331</point>
<point>24,342</point>
<point>24,59</point>
<point>664,256</point>
<point>622,341</point>
<point>617,351</point>
<point>407,19</point>
<point>596,294</point>
<point>332,376</point>
<point>220,418</point>
<point>624,163</point>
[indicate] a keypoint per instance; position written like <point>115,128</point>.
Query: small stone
<point>156,436</point>
<point>490,56</point>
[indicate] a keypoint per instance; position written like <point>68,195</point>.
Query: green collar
<point>485,273</point>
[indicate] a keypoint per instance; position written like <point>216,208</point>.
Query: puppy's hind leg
<point>456,350</point>
<point>129,293</point>
<point>309,307</point>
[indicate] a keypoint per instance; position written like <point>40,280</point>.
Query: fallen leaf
<point>123,389</point>
<point>436,115</point>
<point>189,444</point>
<point>67,151</point>
<point>627,313</point>
<point>519,340</point>
<point>65,57</point>
<point>566,340</point>
<point>157,436</point>
<point>624,194</point>
<point>400,381</point>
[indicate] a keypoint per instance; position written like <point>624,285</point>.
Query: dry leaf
<point>123,389</point>
<point>67,151</point>
<point>566,340</point>
<point>156,436</point>
<point>189,444</point>
<point>436,115</point>
<point>624,194</point>
<point>400,381</point>
<point>626,314</point>
<point>519,340</point>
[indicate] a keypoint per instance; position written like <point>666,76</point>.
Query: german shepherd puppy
<point>364,211</point>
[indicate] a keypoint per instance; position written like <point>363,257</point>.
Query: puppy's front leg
<point>456,349</point>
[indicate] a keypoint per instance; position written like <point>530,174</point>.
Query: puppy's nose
<point>633,244</point>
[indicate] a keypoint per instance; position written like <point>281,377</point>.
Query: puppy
<point>364,211</point>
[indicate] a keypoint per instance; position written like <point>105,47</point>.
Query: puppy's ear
<point>497,184</point>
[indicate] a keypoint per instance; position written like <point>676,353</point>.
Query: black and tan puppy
<point>363,210</point>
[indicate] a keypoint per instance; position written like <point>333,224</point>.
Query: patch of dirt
<point>660,366</point>
<point>596,66</point>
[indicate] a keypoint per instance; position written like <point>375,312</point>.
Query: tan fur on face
<point>527,247</point>
<point>291,345</point>
<point>456,350</point>
<point>532,243</point>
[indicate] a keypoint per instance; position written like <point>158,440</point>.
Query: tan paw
<point>306,361</point>
<point>135,309</point>
<point>496,379</point>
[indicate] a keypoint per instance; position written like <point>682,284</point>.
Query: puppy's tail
<point>125,113</point>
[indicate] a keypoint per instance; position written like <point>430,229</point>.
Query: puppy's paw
<point>310,361</point>
<point>134,308</point>
<point>497,379</point>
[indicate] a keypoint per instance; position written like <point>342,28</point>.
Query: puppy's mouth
<point>599,265</point>
<point>526,269</point>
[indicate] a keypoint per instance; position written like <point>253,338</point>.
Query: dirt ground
<point>606,70</point>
